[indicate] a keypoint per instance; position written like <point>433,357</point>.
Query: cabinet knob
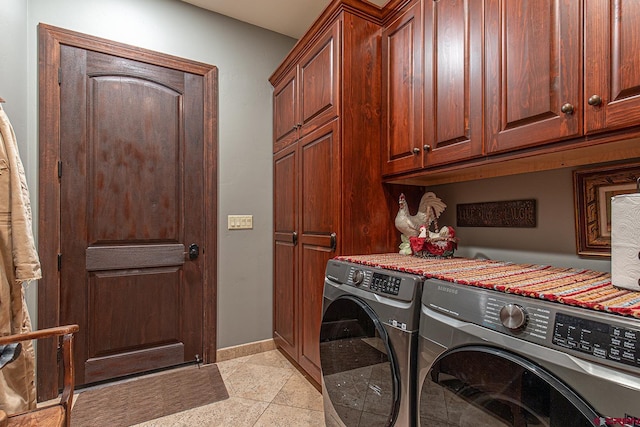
<point>595,100</point>
<point>416,150</point>
<point>426,147</point>
<point>567,108</point>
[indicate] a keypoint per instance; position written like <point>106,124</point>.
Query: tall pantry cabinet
<point>328,195</point>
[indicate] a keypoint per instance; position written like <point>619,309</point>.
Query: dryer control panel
<point>385,283</point>
<point>602,340</point>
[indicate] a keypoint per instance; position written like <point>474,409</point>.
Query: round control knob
<point>358,277</point>
<point>513,317</point>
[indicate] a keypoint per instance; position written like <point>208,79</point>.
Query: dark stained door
<point>319,224</point>
<point>533,73</point>
<point>131,201</point>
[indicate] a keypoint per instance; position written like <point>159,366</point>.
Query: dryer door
<point>359,370</point>
<point>485,386</point>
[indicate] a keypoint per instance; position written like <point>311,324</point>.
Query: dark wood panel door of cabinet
<point>533,72</point>
<point>319,96</point>
<point>453,102</point>
<point>402,92</point>
<point>308,96</point>
<point>285,274</point>
<point>285,111</point>
<point>612,64</point>
<point>319,207</point>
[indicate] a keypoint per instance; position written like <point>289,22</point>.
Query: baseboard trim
<point>242,350</point>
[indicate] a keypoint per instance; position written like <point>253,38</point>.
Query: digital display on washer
<point>598,339</point>
<point>385,284</point>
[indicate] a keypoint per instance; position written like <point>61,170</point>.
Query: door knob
<point>416,150</point>
<point>567,108</point>
<point>194,251</point>
<point>594,100</point>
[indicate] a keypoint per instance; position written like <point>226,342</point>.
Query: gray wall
<point>552,242</point>
<point>245,56</point>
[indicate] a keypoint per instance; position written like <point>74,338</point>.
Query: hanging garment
<point>19,264</point>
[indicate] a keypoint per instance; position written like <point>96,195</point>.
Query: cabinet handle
<point>595,100</point>
<point>294,238</point>
<point>416,150</point>
<point>334,241</point>
<point>426,147</point>
<point>567,108</point>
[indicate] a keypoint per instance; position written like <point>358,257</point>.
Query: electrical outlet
<point>240,222</point>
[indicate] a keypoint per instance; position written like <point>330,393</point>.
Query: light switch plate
<point>240,222</point>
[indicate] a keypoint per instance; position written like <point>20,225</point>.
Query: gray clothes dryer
<point>368,345</point>
<point>487,358</point>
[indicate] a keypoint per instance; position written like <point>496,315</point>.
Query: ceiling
<point>289,17</point>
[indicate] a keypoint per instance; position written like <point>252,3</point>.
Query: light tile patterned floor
<point>264,390</point>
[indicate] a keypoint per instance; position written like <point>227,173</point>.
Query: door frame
<point>49,40</point>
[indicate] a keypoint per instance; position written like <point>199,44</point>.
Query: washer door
<point>484,386</point>
<point>359,370</point>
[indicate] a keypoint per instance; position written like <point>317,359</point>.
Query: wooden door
<point>285,220</point>
<point>533,72</point>
<point>402,93</point>
<point>453,33</point>
<point>319,208</point>
<point>285,111</point>
<point>612,64</point>
<point>319,96</point>
<point>135,186</point>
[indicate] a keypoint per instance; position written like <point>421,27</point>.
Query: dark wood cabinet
<point>328,195</point>
<point>612,64</point>
<point>508,86</point>
<point>319,224</point>
<point>432,78</point>
<point>308,95</point>
<point>453,96</point>
<point>533,72</point>
<point>285,253</point>
<point>285,111</point>
<point>402,92</point>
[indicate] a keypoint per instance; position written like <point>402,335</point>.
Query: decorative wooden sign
<point>512,213</point>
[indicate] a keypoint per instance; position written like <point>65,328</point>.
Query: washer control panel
<point>385,283</point>
<point>601,340</point>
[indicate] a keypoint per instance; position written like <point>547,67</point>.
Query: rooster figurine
<point>429,210</point>
<point>417,239</point>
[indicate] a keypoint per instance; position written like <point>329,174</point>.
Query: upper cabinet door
<point>453,36</point>
<point>319,96</point>
<point>402,93</point>
<point>285,114</point>
<point>533,72</point>
<point>612,64</point>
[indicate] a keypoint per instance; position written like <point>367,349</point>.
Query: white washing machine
<point>488,358</point>
<point>368,345</point>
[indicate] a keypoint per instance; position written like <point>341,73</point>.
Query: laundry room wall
<point>245,56</point>
<point>551,242</point>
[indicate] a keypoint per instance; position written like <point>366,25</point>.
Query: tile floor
<point>264,390</point>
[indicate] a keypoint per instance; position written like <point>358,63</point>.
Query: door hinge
<point>60,76</point>
<point>59,262</point>
<point>59,169</point>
